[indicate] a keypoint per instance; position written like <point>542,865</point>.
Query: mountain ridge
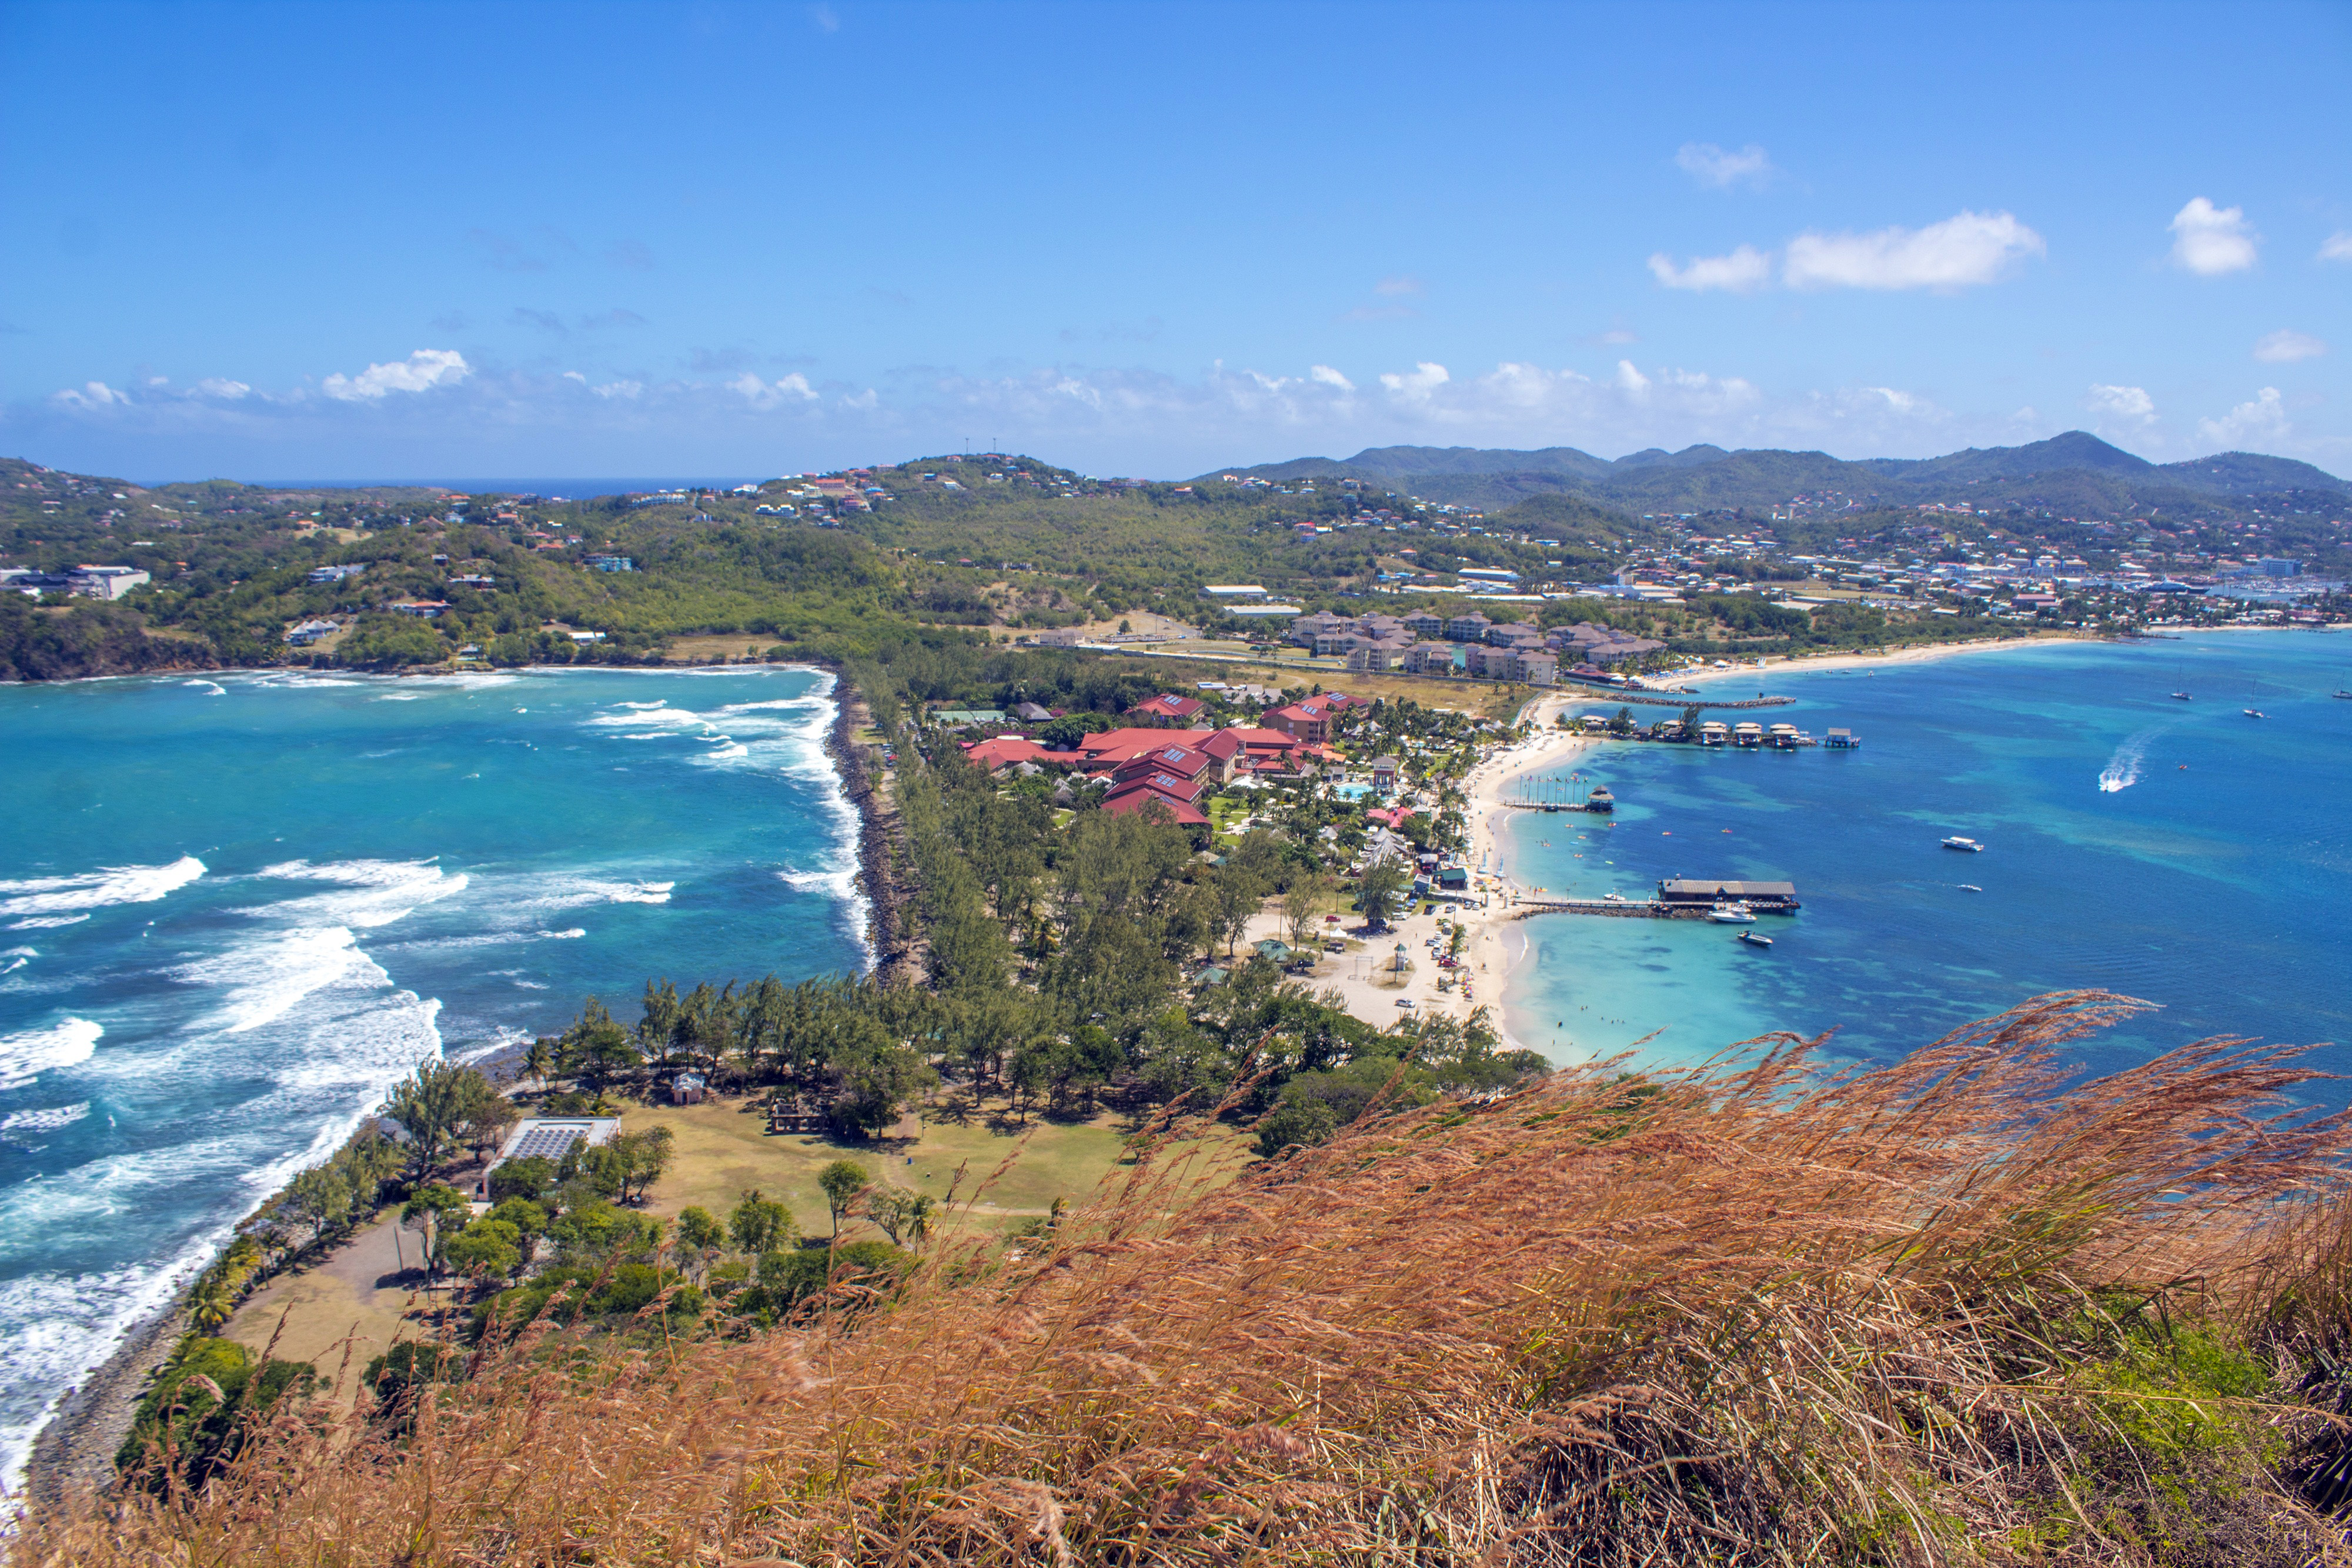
<point>2076,470</point>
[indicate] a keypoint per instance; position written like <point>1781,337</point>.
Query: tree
<point>759,1225</point>
<point>902,1216</point>
<point>1377,888</point>
<point>316,1200</point>
<point>596,1046</point>
<point>485,1248</point>
<point>1304,902</point>
<point>429,1213</point>
<point>212,1305</point>
<point>526,1178</point>
<point>432,1106</point>
<point>538,1060</point>
<point>843,1180</point>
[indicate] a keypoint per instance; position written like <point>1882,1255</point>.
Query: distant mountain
<point>2250,473</point>
<point>2074,474</point>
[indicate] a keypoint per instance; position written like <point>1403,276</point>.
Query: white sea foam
<point>727,753</point>
<point>98,889</point>
<point>46,1121</point>
<point>66,1043</point>
<point>639,718</point>
<point>58,1327</point>
<point>367,893</point>
<point>210,688</point>
<point>2121,770</point>
<point>264,979</point>
<point>46,922</point>
<point>21,953</point>
<point>579,892</point>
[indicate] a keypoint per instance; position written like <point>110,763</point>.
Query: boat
<point>1958,843</point>
<point>2254,713</point>
<point>2182,696</point>
<point>2345,696</point>
<point>1612,897</point>
<point>1969,887</point>
<point>1732,915</point>
<point>1753,940</point>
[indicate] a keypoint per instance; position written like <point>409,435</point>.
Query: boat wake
<point>2121,770</point>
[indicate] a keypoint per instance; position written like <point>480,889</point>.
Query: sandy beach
<point>1368,981</point>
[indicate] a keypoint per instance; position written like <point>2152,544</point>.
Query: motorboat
<point>1971,887</point>
<point>1958,843</point>
<point>1754,940</point>
<point>1732,915</point>
<point>1612,896</point>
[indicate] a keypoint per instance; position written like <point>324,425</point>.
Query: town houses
<point>1468,644</point>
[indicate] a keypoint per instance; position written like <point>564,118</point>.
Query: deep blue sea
<point>232,910</point>
<point>2176,852</point>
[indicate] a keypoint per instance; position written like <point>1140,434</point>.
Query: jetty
<point>1677,898</point>
<point>1651,699</point>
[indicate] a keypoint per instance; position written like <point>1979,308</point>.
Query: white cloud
<point>1711,165</point>
<point>220,387</point>
<point>1966,249</point>
<point>1403,284</point>
<point>89,395</point>
<point>2131,403</point>
<point>1744,270</point>
<point>1896,400</point>
<point>2209,240</point>
<point>1417,384</point>
<point>2337,246</point>
<point>1328,376</point>
<point>2285,347</point>
<point>618,388</point>
<point>575,376</point>
<point>421,371</point>
<point>868,399</point>
<point>2263,420</point>
<point>770,395</point>
<point>1631,381</point>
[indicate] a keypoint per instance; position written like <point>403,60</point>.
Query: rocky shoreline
<point>74,1455</point>
<point>867,788</point>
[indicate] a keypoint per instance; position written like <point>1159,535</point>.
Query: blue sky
<point>354,241</point>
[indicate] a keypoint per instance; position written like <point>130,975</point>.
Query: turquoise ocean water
<point>2178,851</point>
<point>233,910</point>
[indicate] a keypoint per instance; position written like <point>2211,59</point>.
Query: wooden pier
<point>1677,899</point>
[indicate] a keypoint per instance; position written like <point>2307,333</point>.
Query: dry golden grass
<point>1754,1313</point>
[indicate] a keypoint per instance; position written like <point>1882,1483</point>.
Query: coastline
<point>73,1452</point>
<point>878,822</point>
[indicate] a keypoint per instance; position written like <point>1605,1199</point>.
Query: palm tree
<point>211,1306</point>
<point>539,1061</point>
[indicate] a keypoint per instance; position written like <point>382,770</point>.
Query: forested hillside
<point>2075,474</point>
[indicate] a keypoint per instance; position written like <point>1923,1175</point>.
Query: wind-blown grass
<point>1967,1308</point>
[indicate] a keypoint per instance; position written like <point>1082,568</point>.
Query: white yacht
<point>1958,843</point>
<point>1732,915</point>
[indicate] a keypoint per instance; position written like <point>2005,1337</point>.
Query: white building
<point>105,582</point>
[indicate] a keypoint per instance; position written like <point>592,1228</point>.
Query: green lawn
<point>724,1148</point>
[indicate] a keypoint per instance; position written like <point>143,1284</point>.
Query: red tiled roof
<point>1136,799</point>
<point>1003,751</point>
<point>1168,784</point>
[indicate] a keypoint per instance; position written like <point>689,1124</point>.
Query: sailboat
<point>2253,692</point>
<point>2182,696</point>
